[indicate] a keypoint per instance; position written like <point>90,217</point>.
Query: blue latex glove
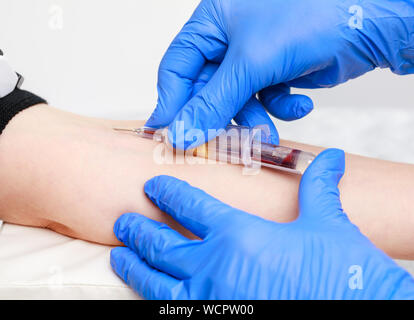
<point>269,46</point>
<point>321,255</point>
<point>251,115</point>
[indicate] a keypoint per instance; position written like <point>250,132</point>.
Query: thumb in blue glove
<point>321,255</point>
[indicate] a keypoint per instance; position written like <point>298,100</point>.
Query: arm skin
<point>76,175</point>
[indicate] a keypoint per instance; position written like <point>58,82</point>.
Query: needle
<point>122,129</point>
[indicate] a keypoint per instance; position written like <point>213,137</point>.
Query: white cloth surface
<point>40,264</point>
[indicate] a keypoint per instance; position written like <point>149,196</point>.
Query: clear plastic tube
<point>240,145</point>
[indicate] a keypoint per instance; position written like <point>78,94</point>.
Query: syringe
<point>238,144</point>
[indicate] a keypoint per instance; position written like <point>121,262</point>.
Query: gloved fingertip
<point>117,227</point>
<point>121,225</point>
<point>171,134</point>
<point>335,159</point>
<point>157,118</point>
<point>274,139</point>
<point>152,185</point>
<point>176,136</point>
<point>115,254</point>
<point>303,105</point>
<point>330,161</point>
<point>182,135</point>
<point>116,257</point>
<point>159,187</point>
<point>269,135</point>
<point>152,123</point>
<point>319,195</point>
<point>121,259</point>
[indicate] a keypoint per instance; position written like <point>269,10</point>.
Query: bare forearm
<point>76,175</point>
<point>376,195</point>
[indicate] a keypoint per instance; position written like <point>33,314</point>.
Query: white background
<point>100,57</point>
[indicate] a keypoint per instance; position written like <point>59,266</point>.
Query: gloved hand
<point>268,46</point>
<point>321,255</point>
<point>251,115</point>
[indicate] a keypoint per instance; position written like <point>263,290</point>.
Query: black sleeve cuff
<point>13,103</point>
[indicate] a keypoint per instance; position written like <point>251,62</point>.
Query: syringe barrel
<point>243,145</point>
